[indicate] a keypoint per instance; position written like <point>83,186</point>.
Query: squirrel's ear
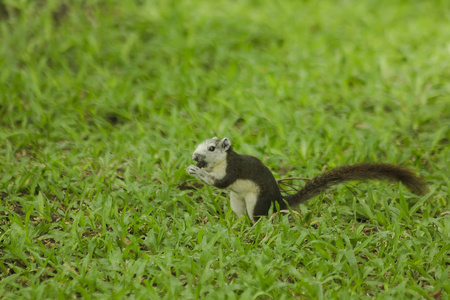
<point>225,143</point>
<point>215,138</point>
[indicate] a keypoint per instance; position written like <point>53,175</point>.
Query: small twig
<point>284,211</point>
<point>290,186</point>
<point>350,186</point>
<point>351,190</point>
<point>71,268</point>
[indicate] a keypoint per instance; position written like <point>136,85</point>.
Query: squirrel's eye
<point>211,148</point>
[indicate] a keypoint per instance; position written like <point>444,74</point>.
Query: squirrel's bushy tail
<point>364,171</point>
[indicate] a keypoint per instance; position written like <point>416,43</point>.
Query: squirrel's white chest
<point>219,170</point>
<point>243,197</point>
<point>243,187</point>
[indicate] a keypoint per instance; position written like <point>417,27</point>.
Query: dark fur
<point>249,167</point>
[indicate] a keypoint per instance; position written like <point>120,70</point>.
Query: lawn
<point>103,102</point>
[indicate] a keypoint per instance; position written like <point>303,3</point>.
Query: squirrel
<point>253,188</point>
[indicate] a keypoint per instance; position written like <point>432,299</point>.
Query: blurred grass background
<point>103,102</point>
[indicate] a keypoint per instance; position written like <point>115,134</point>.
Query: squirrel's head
<point>211,152</point>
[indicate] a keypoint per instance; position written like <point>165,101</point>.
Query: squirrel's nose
<point>197,157</point>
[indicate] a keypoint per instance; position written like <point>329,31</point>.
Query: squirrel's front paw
<point>192,169</point>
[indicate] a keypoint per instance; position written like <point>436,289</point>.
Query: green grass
<point>103,102</point>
